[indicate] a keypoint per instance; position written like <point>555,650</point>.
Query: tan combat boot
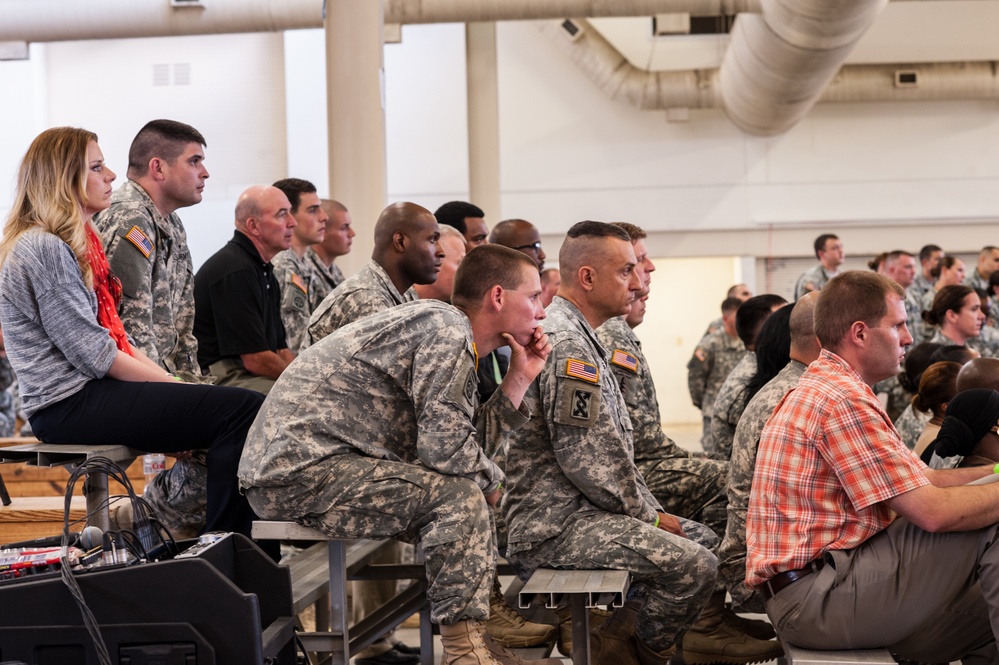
<point>506,657</point>
<point>464,644</point>
<point>761,630</point>
<point>597,617</point>
<point>648,656</point>
<point>614,641</point>
<point>713,640</point>
<point>508,628</point>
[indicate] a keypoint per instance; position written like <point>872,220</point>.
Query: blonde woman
<point>81,380</point>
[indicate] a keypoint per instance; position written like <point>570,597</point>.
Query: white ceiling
<point>906,32</point>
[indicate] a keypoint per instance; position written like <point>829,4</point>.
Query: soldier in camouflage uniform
<point>406,252</point>
<point>146,246</point>
<point>692,488</point>
<point>829,252</point>
<point>732,554</point>
<point>292,269</point>
<point>714,358</point>
<point>337,239</point>
<point>576,498</point>
<point>732,397</point>
<point>420,470</point>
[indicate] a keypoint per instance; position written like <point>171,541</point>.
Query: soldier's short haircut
<point>293,188</point>
<point>856,295</point>
<point>988,249</point>
<point>165,139</point>
<point>730,305</point>
<point>487,266</point>
<point>453,213</point>
<point>635,232</point>
<point>927,251</point>
<point>820,242</point>
<point>751,315</point>
<point>578,246</point>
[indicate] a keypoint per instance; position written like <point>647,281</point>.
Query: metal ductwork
<point>464,11</point>
<point>779,62</point>
<point>665,90</point>
<point>59,20</point>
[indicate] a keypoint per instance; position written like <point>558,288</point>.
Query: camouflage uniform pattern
<point>730,403</point>
<point>812,279</point>
<point>324,279</point>
<point>157,305</point>
<point>898,397</point>
<point>367,292</point>
<point>985,346</point>
<point>294,274</point>
<point>911,424</point>
<point>157,310</point>
<point>987,342</point>
<point>976,281</point>
<point>576,498</point>
<point>685,486</point>
<point>920,286</point>
<point>714,358</point>
<point>401,454</point>
<point>914,315</point>
<point>732,555</point>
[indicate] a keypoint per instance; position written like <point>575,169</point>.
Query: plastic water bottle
<point>152,464</point>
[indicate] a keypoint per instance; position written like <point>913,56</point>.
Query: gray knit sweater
<point>49,319</point>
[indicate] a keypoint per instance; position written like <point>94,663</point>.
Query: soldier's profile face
<point>475,232</point>
<point>617,283</point>
<point>424,255</point>
<point>310,219</point>
<point>185,177</point>
<point>523,310</point>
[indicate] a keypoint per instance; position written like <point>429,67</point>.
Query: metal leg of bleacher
<point>4,494</point>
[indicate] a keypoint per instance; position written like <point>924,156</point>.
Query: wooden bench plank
<point>27,518</point>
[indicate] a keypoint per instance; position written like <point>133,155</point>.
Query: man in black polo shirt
<point>237,300</point>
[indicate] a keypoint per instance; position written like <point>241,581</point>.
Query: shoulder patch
<point>625,360</point>
<point>577,404</point>
<point>297,281</point>
<point>139,239</point>
<point>700,355</point>
<point>580,369</point>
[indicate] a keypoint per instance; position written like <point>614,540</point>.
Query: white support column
<point>355,99</point>
<point>483,119</point>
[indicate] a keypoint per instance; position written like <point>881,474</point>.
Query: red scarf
<point>108,290</point>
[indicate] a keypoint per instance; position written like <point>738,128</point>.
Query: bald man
<point>521,235</point>
<point>453,245</point>
<point>237,300</point>
<point>407,252</point>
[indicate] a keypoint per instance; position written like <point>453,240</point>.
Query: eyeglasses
<point>536,246</point>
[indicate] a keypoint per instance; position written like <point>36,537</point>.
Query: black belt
<point>780,581</point>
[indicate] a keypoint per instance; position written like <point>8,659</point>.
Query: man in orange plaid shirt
<point>852,541</point>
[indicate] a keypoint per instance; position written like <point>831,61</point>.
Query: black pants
<point>165,418</point>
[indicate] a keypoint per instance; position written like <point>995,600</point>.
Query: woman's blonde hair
<point>51,192</point>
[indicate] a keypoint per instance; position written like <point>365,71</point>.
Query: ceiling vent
<point>906,78</point>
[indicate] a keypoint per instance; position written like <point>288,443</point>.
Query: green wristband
<point>656,525</point>
<point>995,469</point>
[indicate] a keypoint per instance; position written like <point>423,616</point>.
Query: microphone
<point>91,537</point>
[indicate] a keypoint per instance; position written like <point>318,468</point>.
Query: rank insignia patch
<point>581,370</point>
<point>139,239</point>
<point>625,360</point>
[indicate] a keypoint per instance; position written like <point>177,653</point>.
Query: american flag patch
<point>625,360</point>
<point>297,281</point>
<point>139,239</point>
<point>581,370</point>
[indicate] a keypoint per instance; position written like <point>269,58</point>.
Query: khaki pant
<point>913,592</point>
<point>230,372</point>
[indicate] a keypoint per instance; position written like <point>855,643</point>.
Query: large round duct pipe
<point>59,20</point>
<point>779,62</point>
<point>462,11</point>
<point>619,79</point>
